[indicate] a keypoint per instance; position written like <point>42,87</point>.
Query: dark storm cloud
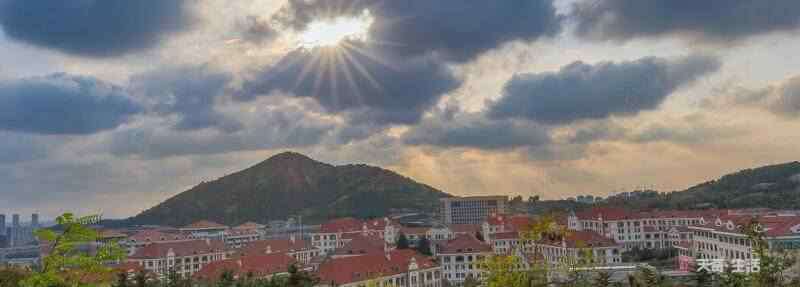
<point>63,104</point>
<point>189,92</point>
<point>369,84</point>
<point>281,127</point>
<point>582,91</point>
<point>474,130</point>
<point>710,20</point>
<point>93,28</point>
<point>456,30</point>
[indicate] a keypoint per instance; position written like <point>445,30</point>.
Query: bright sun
<point>332,32</point>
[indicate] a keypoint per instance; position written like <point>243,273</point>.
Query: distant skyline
<point>557,98</point>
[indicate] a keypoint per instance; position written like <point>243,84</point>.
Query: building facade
<point>471,210</point>
<point>184,257</point>
<point>396,268</point>
<point>461,257</point>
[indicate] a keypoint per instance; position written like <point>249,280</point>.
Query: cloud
<point>188,91</point>
<point>708,20</point>
<point>93,28</point>
<point>582,91</point>
<point>782,99</point>
<point>18,147</point>
<point>359,80</point>
<point>63,104</point>
<point>455,30</point>
<point>474,130</point>
<point>266,127</point>
<point>257,29</point>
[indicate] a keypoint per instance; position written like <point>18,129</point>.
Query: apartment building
<point>185,257</point>
<point>396,268</point>
<point>575,245</point>
<point>722,237</point>
<point>471,210</point>
<point>648,229</point>
<point>460,258</point>
<point>335,233</point>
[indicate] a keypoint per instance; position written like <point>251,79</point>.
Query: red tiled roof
<point>205,224</point>
<point>259,266</point>
<point>609,213</point>
<point>464,244</point>
<point>506,235</point>
<point>464,228</point>
<point>347,224</point>
<point>260,247</point>
<point>249,225</point>
<point>774,226</point>
<point>154,235</point>
<point>414,230</point>
<point>347,270</point>
<point>362,245</point>
<point>511,222</point>
<point>180,248</point>
<point>582,239</point>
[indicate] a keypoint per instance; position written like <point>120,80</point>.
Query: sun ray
<point>361,69</point>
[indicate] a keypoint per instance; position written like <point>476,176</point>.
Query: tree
<point>66,264</point>
<point>502,272</point>
<point>299,278</point>
<point>603,279</point>
<point>402,241</point>
<point>702,278</point>
<point>226,279</point>
<point>11,277</point>
<point>140,279</point>
<point>122,279</point>
<point>424,246</point>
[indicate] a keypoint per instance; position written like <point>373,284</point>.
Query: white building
<point>184,257</point>
<point>334,233</point>
<point>461,257</point>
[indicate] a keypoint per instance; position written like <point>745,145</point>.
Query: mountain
<point>290,184</point>
<point>774,186</point>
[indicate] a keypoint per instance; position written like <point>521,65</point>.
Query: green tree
<point>702,278</point>
<point>300,278</point>
<point>11,277</point>
<point>424,246</point>
<point>140,279</point>
<point>603,279</point>
<point>66,264</point>
<point>402,241</point>
<point>226,279</point>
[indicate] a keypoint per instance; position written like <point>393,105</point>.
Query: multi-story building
<point>502,223</point>
<point>236,238</point>
<point>461,257</point>
<point>575,245</point>
<point>2,224</point>
<point>400,268</point>
<point>723,237</point>
<point>334,233</point>
<point>205,229</point>
<point>637,229</point>
<point>184,257</point>
<point>301,250</point>
<point>471,210</point>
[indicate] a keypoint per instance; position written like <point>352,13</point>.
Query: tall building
<point>15,221</point>
<point>471,210</point>
<point>2,224</point>
<point>35,220</point>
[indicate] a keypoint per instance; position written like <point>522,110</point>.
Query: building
<point>257,266</point>
<point>236,238</point>
<point>205,229</point>
<point>400,268</point>
<point>575,245</point>
<point>301,250</point>
<point>722,237</point>
<point>35,220</point>
<point>471,210</point>
<point>334,233</point>
<point>643,229</point>
<point>460,258</point>
<point>184,257</point>
<point>2,224</point>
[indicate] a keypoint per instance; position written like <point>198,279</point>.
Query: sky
<point>113,106</point>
